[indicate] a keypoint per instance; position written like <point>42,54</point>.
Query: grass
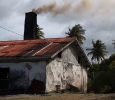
<point>65,96</point>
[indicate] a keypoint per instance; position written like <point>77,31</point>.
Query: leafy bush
<point>102,76</point>
<point>101,81</point>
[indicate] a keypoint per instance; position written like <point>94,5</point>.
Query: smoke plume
<point>54,8</point>
<point>76,7</point>
<point>67,6</point>
<point>81,9</point>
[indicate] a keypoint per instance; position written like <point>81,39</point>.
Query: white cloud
<point>96,17</point>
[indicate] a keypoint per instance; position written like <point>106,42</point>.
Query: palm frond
<point>77,31</point>
<point>98,51</point>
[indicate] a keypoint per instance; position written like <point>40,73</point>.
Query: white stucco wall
<point>66,70</point>
<point>85,80</point>
<point>22,74</point>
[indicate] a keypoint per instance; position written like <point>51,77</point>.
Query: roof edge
<point>23,59</point>
<point>83,52</point>
<point>75,40</point>
<point>62,49</point>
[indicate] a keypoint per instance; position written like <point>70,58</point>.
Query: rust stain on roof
<point>38,47</point>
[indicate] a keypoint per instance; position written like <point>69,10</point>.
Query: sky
<point>97,17</point>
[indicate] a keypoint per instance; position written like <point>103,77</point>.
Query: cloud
<point>5,9</point>
<point>96,17</point>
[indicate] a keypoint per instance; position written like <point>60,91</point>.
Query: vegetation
<point>98,51</point>
<point>40,34</point>
<point>102,76</point>
<point>78,32</point>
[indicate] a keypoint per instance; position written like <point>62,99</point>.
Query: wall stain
<point>28,67</point>
<point>20,81</point>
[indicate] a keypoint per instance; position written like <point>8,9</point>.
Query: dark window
<point>59,54</point>
<point>79,59</point>
<point>4,73</point>
<point>4,78</point>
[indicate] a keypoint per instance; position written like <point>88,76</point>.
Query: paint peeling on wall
<point>63,71</point>
<point>66,70</point>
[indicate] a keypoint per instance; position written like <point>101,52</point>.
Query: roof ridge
<point>39,39</point>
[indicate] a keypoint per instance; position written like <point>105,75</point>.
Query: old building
<point>42,64</point>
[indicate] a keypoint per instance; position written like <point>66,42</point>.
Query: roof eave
<point>76,41</point>
<point>22,59</point>
<point>86,59</point>
<point>62,49</point>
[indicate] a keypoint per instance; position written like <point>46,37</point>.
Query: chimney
<point>30,27</point>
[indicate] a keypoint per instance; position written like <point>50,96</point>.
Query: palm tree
<point>78,32</point>
<point>40,34</point>
<point>98,51</point>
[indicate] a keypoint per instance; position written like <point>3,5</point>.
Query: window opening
<point>79,59</point>
<point>4,78</point>
<point>59,54</point>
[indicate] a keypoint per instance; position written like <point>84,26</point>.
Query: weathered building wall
<point>66,70</point>
<point>22,74</point>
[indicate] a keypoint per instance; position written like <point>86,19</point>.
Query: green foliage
<point>102,76</point>
<point>93,70</point>
<point>112,66</point>
<point>98,51</point>
<point>78,32</point>
<point>112,58</point>
<point>101,82</point>
<point>101,79</point>
<point>89,81</point>
<point>40,34</point>
<point>104,65</point>
<point>111,72</point>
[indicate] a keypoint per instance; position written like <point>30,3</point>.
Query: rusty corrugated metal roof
<point>38,47</point>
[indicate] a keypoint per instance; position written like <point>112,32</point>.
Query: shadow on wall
<point>18,80</point>
<point>36,87</point>
<point>69,88</point>
<point>68,85</point>
<point>72,88</point>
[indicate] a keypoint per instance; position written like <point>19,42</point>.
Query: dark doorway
<point>4,78</point>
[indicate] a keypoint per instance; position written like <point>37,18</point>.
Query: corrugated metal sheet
<point>38,47</point>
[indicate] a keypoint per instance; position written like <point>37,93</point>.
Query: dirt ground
<point>58,96</point>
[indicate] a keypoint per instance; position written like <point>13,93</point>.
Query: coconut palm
<point>40,34</point>
<point>78,32</point>
<point>98,51</point>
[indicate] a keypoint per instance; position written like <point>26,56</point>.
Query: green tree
<point>112,74</point>
<point>101,77</point>
<point>78,32</point>
<point>93,70</point>
<point>40,34</point>
<point>101,82</point>
<point>98,51</point>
